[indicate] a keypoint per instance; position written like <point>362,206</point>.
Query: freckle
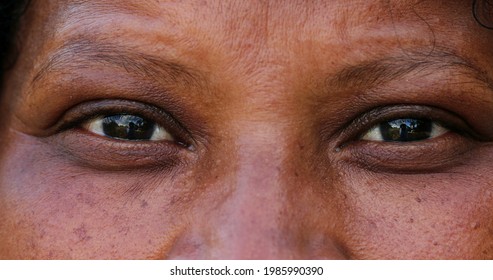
<point>32,244</point>
<point>411,220</point>
<point>82,198</point>
<point>418,199</point>
<point>174,200</point>
<point>435,243</point>
<point>296,174</point>
<point>143,204</point>
<point>124,230</point>
<point>81,233</point>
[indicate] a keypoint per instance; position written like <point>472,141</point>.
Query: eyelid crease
<point>91,110</point>
<point>359,126</point>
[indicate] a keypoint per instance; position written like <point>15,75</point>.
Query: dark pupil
<point>128,127</point>
<point>406,130</point>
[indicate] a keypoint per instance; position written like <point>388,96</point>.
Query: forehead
<point>249,48</point>
<point>261,22</point>
<point>260,31</point>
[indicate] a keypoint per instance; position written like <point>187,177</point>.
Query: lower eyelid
<point>88,116</point>
<point>101,153</point>
<point>444,152</point>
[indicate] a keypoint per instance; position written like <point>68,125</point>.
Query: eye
<point>407,139</point>
<point>404,130</point>
<point>128,127</point>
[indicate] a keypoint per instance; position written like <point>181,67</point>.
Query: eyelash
<point>383,156</point>
<point>84,114</point>
<point>400,130</point>
<point>449,149</point>
<point>356,129</point>
<point>133,127</point>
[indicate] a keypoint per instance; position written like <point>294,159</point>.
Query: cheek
<point>53,209</point>
<point>446,216</point>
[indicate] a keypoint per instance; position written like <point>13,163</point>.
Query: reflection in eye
<point>128,127</point>
<point>404,130</point>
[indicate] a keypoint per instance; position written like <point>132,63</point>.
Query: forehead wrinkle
<point>145,8</point>
<point>85,53</point>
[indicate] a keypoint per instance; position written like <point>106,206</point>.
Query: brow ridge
<point>374,73</point>
<point>86,53</point>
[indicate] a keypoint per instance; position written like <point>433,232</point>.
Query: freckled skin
<point>274,167</point>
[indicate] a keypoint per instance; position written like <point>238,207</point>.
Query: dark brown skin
<point>269,159</point>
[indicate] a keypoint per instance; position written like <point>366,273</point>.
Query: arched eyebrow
<point>374,73</point>
<point>87,53</point>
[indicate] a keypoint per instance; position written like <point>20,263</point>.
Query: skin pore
<point>270,110</point>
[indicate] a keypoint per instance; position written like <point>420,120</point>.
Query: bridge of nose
<point>259,208</point>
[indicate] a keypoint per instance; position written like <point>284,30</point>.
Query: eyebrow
<point>375,73</point>
<point>141,7</point>
<point>86,53</point>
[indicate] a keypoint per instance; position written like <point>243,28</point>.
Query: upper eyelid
<point>356,128</point>
<point>94,109</point>
<point>87,69</point>
<point>99,108</point>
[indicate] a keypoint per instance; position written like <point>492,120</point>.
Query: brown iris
<point>128,127</point>
<point>405,130</point>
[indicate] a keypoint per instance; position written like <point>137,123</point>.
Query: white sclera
<point>159,134</point>
<point>374,134</point>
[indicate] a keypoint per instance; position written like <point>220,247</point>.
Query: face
<point>248,130</point>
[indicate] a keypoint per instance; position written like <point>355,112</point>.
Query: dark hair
<point>10,12</point>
